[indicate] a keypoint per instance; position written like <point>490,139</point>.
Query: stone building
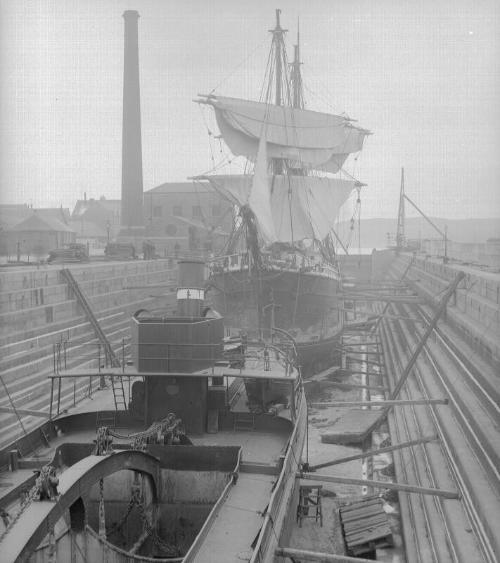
<point>187,216</point>
<point>96,221</point>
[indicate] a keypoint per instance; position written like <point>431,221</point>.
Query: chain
<point>102,514</point>
<point>167,431</point>
<point>134,499</point>
<point>45,488</point>
<point>168,549</point>
<point>103,441</point>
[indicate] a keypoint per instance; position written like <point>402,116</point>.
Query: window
<point>171,230</point>
<point>177,211</point>
<point>196,211</point>
<point>157,211</point>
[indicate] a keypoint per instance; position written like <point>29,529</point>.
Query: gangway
<point>111,358</point>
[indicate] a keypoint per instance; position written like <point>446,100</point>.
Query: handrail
<point>227,263</point>
<point>288,472</point>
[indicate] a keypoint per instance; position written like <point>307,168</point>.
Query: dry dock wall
<point>38,310</point>
<point>474,309</point>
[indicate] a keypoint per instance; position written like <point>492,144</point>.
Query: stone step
<point>77,352</point>
<point>36,396</point>
<point>27,298</point>
<point>47,275</point>
<point>33,348</point>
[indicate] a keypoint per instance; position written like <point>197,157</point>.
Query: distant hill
<point>374,231</point>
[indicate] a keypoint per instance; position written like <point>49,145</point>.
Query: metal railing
<point>283,491</point>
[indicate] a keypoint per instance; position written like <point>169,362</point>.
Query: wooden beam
<point>27,412</point>
<point>371,453</point>
<point>368,362</point>
<point>303,555</point>
<point>378,484</point>
<point>403,318</point>
<point>347,350</point>
<point>388,304</point>
<point>432,325</point>
<point>351,385</point>
<point>388,403</point>
<point>151,286</point>
<point>353,344</point>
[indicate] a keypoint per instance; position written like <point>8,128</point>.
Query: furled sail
<point>316,140</point>
<point>302,207</point>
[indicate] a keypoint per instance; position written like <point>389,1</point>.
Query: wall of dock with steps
<point>39,311</point>
<point>474,309</point>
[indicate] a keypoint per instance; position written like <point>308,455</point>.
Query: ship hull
<point>305,304</point>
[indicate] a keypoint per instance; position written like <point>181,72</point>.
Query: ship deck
<point>238,516</point>
<point>238,521</point>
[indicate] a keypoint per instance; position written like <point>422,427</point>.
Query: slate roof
<point>108,205</point>
<point>41,222</point>
<point>182,187</point>
<point>12,214</point>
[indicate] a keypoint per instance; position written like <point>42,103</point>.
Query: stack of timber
<point>365,526</point>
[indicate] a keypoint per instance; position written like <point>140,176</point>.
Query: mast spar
<point>280,65</point>
<point>279,57</point>
<point>296,76</point>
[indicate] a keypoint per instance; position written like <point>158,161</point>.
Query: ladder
<point>309,505</point>
<point>244,421</point>
<point>111,358</point>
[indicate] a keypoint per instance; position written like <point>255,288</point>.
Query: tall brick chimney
<point>132,220</point>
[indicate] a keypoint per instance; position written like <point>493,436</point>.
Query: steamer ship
<point>199,465</point>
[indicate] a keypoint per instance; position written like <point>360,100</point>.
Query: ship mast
<point>280,78</point>
<point>278,45</point>
<point>296,76</point>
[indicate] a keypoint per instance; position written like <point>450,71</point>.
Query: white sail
<point>259,198</point>
<point>316,140</point>
<point>302,207</point>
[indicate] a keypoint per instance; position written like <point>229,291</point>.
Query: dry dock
<point>459,444</point>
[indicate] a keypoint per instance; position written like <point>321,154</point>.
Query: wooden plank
<point>359,504</point>
<point>352,427</point>
<point>365,537</point>
<point>362,523</point>
<point>360,513</point>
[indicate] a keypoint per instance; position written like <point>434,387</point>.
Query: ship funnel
<point>191,288</point>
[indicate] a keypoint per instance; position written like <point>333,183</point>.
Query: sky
<point>423,75</point>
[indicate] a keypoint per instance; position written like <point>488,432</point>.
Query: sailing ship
<point>280,271</point>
